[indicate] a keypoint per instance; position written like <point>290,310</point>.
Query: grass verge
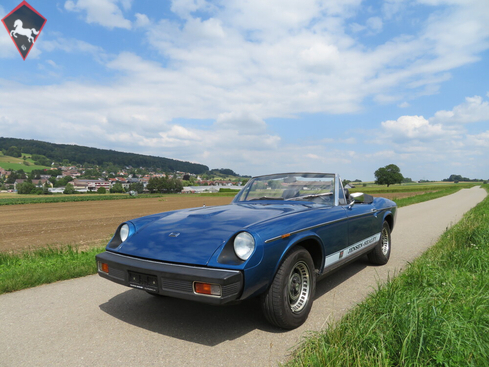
<point>33,268</point>
<point>15,199</point>
<point>383,189</point>
<point>426,196</point>
<point>436,313</point>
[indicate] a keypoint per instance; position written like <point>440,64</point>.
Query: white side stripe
<point>331,259</point>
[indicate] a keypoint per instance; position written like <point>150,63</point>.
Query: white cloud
<point>240,121</point>
<point>339,141</point>
<point>457,34</point>
<point>481,139</point>
<point>103,12</point>
<point>142,20</point>
<point>7,47</point>
<point>404,104</point>
<point>473,110</point>
<point>438,143</point>
<point>303,57</point>
<point>236,65</point>
<point>374,25</point>
<point>413,127</point>
<point>392,7</point>
<point>185,7</point>
<point>70,45</point>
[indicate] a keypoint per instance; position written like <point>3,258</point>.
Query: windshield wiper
<point>311,196</point>
<point>267,198</point>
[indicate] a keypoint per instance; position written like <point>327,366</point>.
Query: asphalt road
<point>93,322</point>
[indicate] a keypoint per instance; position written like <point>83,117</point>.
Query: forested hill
<point>80,155</point>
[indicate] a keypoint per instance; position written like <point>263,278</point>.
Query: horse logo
<point>26,22</point>
<point>18,29</point>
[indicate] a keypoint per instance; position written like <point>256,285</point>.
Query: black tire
<point>289,299</point>
<point>381,253</point>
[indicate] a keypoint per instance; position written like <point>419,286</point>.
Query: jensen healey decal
<point>331,259</point>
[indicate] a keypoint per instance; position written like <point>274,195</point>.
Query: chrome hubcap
<point>299,287</point>
<point>385,241</point>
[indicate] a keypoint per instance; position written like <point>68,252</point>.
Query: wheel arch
<point>389,218</point>
<point>312,245</point>
<point>309,242</point>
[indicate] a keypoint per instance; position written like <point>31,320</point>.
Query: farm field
<point>32,226</point>
<point>92,223</point>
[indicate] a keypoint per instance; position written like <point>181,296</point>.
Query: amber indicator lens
<point>206,288</point>
<point>103,267</point>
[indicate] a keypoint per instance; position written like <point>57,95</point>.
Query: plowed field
<point>90,223</point>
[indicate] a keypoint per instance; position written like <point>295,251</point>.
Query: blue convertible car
<point>280,234</point>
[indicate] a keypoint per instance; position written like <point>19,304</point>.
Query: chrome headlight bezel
<point>124,232</point>
<point>244,245</point>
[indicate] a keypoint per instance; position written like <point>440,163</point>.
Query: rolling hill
<point>81,154</point>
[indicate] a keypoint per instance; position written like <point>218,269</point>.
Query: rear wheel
<point>289,299</point>
<point>381,253</point>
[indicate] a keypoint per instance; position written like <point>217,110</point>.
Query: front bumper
<point>168,279</point>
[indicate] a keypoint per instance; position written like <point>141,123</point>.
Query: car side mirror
<point>360,198</point>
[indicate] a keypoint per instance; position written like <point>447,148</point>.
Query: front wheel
<point>381,253</point>
<point>289,299</point>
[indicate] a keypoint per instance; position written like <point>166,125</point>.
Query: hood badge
<point>174,234</point>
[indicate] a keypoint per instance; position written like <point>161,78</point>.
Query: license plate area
<point>143,281</point>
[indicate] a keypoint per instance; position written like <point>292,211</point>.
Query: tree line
<point>164,185</point>
<point>79,155</point>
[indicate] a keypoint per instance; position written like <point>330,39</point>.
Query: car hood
<point>192,236</point>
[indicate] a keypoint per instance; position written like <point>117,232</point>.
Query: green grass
<point>381,189</point>
<point>33,268</point>
<point>426,196</point>
<point>436,313</point>
<point>15,164</point>
<point>15,199</point>
<point>218,194</point>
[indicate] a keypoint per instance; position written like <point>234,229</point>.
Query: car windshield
<point>315,187</point>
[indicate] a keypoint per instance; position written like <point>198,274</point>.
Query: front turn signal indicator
<point>207,288</point>
<point>103,267</point>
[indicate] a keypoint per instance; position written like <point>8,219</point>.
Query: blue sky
<point>257,86</point>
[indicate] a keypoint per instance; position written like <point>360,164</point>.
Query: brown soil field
<point>91,223</point>
<point>398,195</point>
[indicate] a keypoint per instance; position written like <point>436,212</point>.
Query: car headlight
<point>124,232</point>
<point>244,244</point>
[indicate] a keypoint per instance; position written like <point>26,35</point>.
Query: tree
<point>457,178</point>
<point>388,175</point>
<point>13,151</point>
<point>45,189</point>
<point>137,186</point>
<point>176,185</point>
<point>152,185</point>
<point>69,189</point>
<point>274,184</point>
<point>117,188</point>
<point>26,188</point>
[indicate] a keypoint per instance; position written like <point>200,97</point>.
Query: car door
<point>363,223</point>
<point>334,235</point>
